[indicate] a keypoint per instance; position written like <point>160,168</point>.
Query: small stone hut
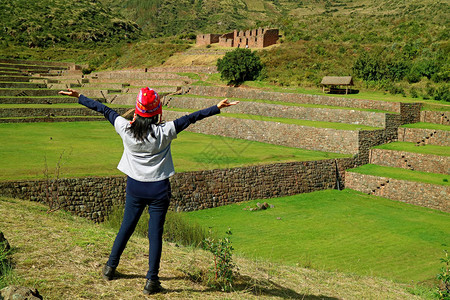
<point>332,83</point>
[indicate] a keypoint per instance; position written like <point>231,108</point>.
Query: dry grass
<point>62,255</point>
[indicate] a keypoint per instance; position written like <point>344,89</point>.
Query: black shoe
<point>108,272</point>
<point>153,287</point>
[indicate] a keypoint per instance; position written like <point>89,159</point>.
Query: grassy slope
<point>411,147</point>
<point>94,149</point>
<point>403,174</point>
<point>62,255</point>
<point>46,23</point>
<point>338,230</point>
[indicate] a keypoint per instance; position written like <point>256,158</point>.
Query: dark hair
<point>141,127</point>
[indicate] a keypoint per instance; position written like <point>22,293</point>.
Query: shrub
<point>5,263</point>
<point>223,263</point>
<point>429,90</point>
<point>176,228</point>
<point>414,75</point>
<point>442,93</point>
<point>443,291</point>
<point>395,89</point>
<point>239,65</point>
<point>414,92</point>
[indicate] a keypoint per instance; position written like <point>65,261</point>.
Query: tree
<point>239,65</point>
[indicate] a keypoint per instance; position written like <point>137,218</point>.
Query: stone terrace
<point>419,193</point>
<point>24,83</point>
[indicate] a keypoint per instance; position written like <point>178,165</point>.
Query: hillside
<point>401,47</point>
<point>61,255</point>
<point>53,22</point>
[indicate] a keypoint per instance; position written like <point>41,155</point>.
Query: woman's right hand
<point>71,93</point>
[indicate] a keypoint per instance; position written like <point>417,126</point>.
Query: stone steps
<point>51,119</point>
<point>147,82</point>
<point>125,75</point>
<point>35,62</point>
<point>435,117</point>
<point>23,92</point>
<point>91,86</point>
<point>415,192</point>
<point>30,67</point>
<point>15,78</point>
<point>21,85</point>
<point>12,73</point>
<point>3,69</point>
<point>424,136</point>
<point>20,112</point>
<point>39,100</point>
<point>411,161</point>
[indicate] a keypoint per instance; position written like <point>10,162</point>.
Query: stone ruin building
<point>255,38</point>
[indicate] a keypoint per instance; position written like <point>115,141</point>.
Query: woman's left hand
<point>71,93</point>
<point>225,103</point>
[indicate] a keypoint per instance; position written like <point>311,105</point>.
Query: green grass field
<point>403,174</point>
<point>411,147</point>
<point>334,230</point>
<point>94,149</point>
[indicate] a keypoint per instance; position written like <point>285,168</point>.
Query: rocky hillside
<point>54,22</point>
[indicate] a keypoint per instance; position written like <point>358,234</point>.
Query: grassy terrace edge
<point>402,174</point>
<point>411,147</point>
<point>423,125</point>
<point>84,142</point>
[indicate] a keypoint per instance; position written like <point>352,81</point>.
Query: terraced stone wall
<point>35,112</point>
<point>410,160</point>
<point>437,117</point>
<point>424,136</point>
<point>367,118</point>
<point>291,97</point>
<point>311,138</point>
<point>370,138</point>
<point>410,112</point>
<point>93,197</point>
<point>417,193</point>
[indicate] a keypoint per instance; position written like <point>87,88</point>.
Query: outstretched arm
<point>183,122</point>
<point>109,113</point>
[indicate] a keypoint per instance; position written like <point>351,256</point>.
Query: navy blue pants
<point>134,206</point>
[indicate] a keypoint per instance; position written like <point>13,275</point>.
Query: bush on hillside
<point>239,65</point>
<point>442,93</point>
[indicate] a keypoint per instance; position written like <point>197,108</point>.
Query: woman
<point>147,162</point>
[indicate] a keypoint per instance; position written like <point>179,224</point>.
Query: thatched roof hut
<point>334,81</point>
